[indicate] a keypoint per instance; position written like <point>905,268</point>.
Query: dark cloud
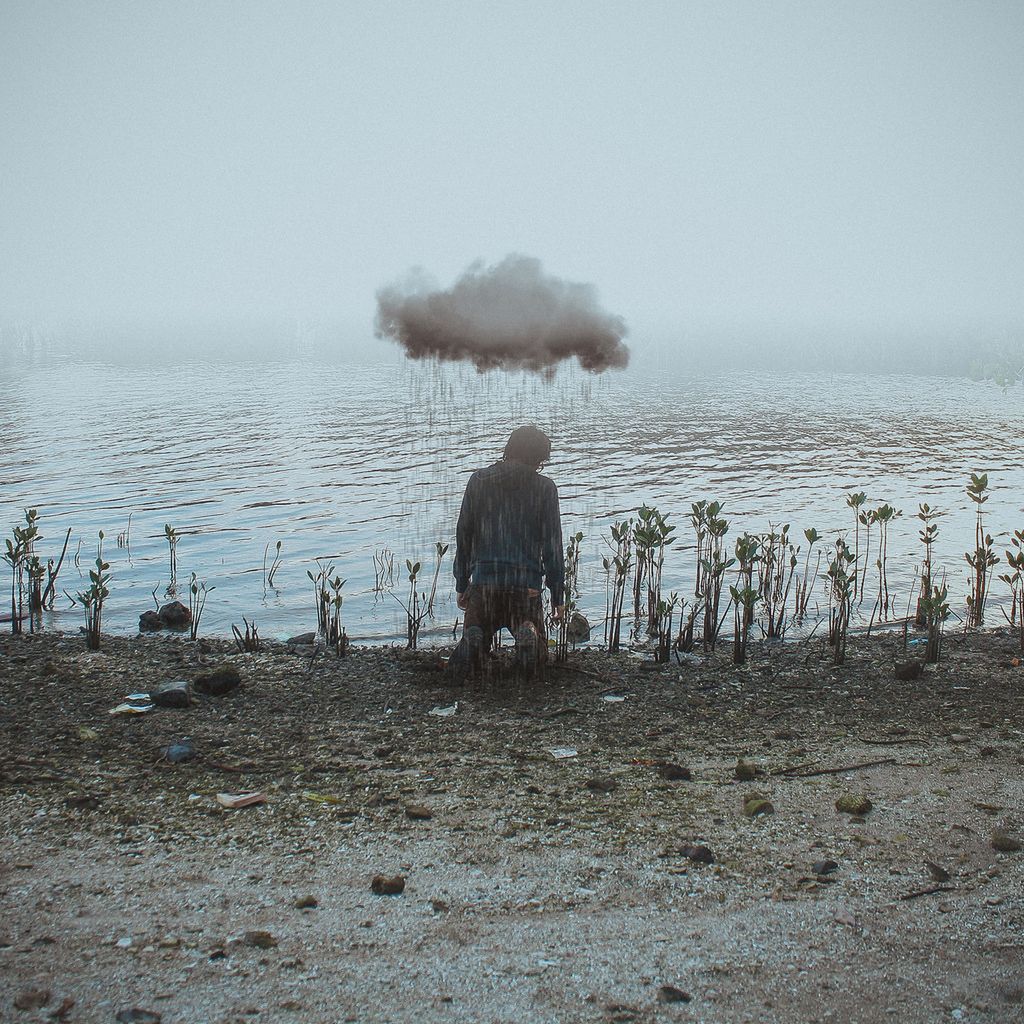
<point>509,316</point>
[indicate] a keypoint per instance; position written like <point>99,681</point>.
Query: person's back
<point>508,545</point>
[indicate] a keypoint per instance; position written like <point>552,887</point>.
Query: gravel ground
<point>537,888</point>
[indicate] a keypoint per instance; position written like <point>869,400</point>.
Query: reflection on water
<point>341,462</point>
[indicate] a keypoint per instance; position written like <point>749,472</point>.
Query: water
<point>340,462</point>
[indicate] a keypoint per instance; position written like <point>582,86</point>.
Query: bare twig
<point>798,774</point>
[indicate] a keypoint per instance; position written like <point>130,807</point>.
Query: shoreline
<point>538,887</point>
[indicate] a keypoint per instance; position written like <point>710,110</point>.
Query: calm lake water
<point>342,461</point>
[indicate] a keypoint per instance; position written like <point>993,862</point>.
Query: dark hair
<point>529,446</point>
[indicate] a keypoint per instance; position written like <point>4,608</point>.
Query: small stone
<point>599,785</point>
<point>306,903</point>
<point>1003,843</point>
<point>937,873</point>
<point>698,854</point>
<point>169,942</point>
<point>259,938</point>
<point>150,622</point>
<point>418,812</point>
<point>382,885</point>
<point>744,771</point>
<point>577,629</point>
<point>957,737</point>
<point>175,615</point>
<point>671,994</point>
<point>753,806</point>
<point>907,671</point>
<point>138,1016</point>
<point>853,803</point>
<point>824,867</point>
<point>180,752</point>
<point>219,681</point>
<point>302,640</point>
<point>674,772</point>
<point>439,906</point>
<point>82,802</point>
<point>31,999</point>
<point>175,694</point>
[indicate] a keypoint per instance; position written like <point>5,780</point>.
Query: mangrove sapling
<point>275,564</point>
<point>91,599</point>
<point>328,600</point>
<point>744,596</point>
<point>415,606</point>
<point>928,533</point>
<point>665,615</point>
<point>250,641</point>
<point>803,582</point>
<point>336,637</point>
<point>617,575</point>
<point>562,626</point>
<point>776,566</point>
<point>855,500</point>
<point>18,555</point>
<point>936,610</point>
<point>439,552</point>
<point>52,571</point>
<point>651,535</point>
<point>1015,581</point>
<point>983,558</point>
<point>124,538</point>
<point>883,516</point>
<point>714,569</point>
<point>197,594</point>
<point>701,515</point>
<point>383,570</point>
<point>171,536</point>
<point>842,569</point>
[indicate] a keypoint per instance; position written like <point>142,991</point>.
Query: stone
<point>744,771</point>
<point>1003,843</point>
<point>150,622</point>
<point>259,938</point>
<point>671,994</point>
<point>219,681</point>
<point>306,903</point>
<point>175,694</point>
<point>302,640</point>
<point>180,752</point>
<point>135,1015</point>
<point>698,854</point>
<point>578,628</point>
<point>853,803</point>
<point>602,785</point>
<point>31,999</point>
<point>674,772</point>
<point>937,873</point>
<point>382,885</point>
<point>753,806</point>
<point>907,671</point>
<point>417,812</point>
<point>174,615</point>
<point>824,867</point>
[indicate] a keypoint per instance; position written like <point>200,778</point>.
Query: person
<point>508,545</point>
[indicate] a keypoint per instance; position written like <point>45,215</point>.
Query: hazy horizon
<point>714,171</point>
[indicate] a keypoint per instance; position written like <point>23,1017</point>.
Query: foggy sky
<point>700,163</point>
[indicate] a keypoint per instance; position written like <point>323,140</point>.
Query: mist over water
<point>342,461</point>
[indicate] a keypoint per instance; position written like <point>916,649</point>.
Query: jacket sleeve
<point>464,534</point>
<point>551,552</point>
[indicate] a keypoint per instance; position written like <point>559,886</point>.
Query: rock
<point>382,885</point>
<point>602,785</point>
<point>674,772</point>
<point>150,622</point>
<point>31,999</point>
<point>417,812</point>
<point>938,874</point>
<point>744,771</point>
<point>907,671</point>
<point>82,802</point>
<point>174,615</point>
<point>302,640</point>
<point>1003,843</point>
<point>957,737</point>
<point>698,854</point>
<point>176,694</point>
<point>219,681</point>
<point>306,903</point>
<point>303,650</point>
<point>671,994</point>
<point>853,803</point>
<point>259,938</point>
<point>180,752</point>
<point>138,1016</point>
<point>824,867</point>
<point>757,805</point>
<point>578,628</point>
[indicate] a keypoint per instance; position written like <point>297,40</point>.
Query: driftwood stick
<point>925,892</point>
<point>796,773</point>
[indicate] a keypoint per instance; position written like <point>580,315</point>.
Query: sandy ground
<point>537,888</point>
